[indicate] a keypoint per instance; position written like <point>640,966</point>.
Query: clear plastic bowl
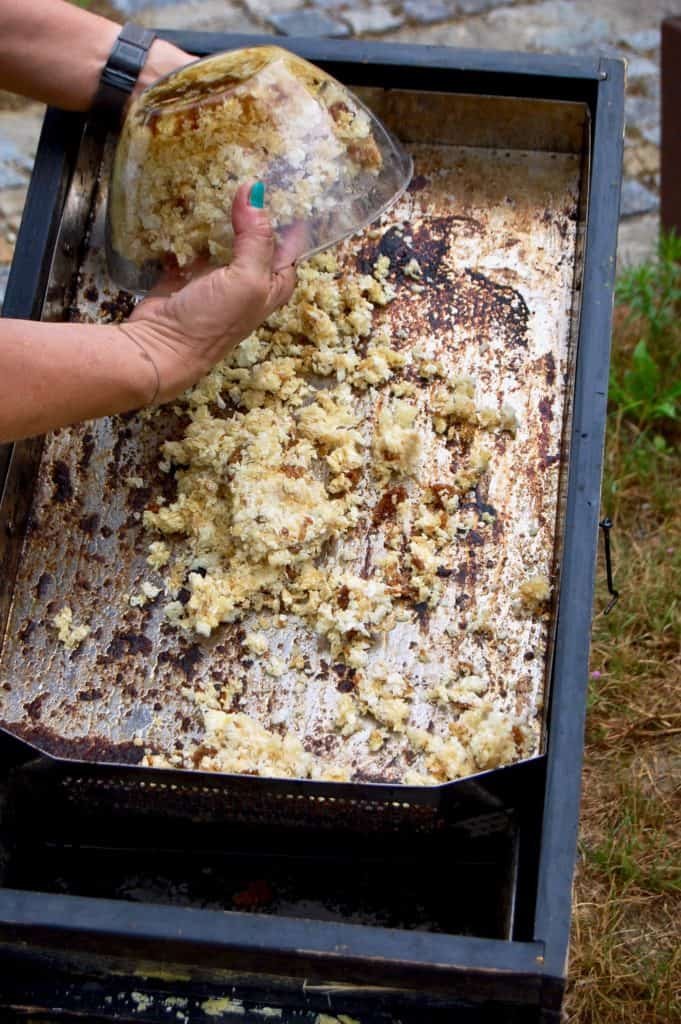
<point>188,142</point>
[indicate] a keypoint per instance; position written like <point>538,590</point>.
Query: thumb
<point>253,236</point>
<point>292,243</point>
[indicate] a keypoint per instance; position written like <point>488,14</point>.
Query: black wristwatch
<point>121,72</point>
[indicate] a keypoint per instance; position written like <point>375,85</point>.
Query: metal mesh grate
<point>202,803</point>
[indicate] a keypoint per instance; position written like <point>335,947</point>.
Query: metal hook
<point>606,527</point>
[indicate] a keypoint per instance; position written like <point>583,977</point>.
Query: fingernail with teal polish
<point>256,196</point>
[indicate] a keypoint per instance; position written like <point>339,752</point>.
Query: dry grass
<point>626,948</point>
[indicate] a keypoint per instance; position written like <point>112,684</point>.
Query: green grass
<point>626,949</point>
<point>635,851</point>
<point>104,7</point>
<point>652,292</point>
<point>645,382</point>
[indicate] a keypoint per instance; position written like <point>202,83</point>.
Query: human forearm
<point>54,51</point>
<point>55,374</point>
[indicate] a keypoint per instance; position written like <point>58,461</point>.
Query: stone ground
<point>622,28</point>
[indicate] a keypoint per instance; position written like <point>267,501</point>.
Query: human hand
<point>162,58</point>
<point>184,331</point>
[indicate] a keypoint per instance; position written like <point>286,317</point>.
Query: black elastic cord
<point>606,527</point>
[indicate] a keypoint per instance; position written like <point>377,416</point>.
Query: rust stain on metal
<point>128,643</point>
<point>81,748</point>
<point>386,506</point>
<point>61,478</point>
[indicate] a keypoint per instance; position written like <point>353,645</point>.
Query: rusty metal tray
<point>496,216</point>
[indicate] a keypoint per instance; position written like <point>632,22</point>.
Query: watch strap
<point>121,72</point>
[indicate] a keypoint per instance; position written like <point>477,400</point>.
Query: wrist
<point>176,364</point>
<point>139,368</point>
